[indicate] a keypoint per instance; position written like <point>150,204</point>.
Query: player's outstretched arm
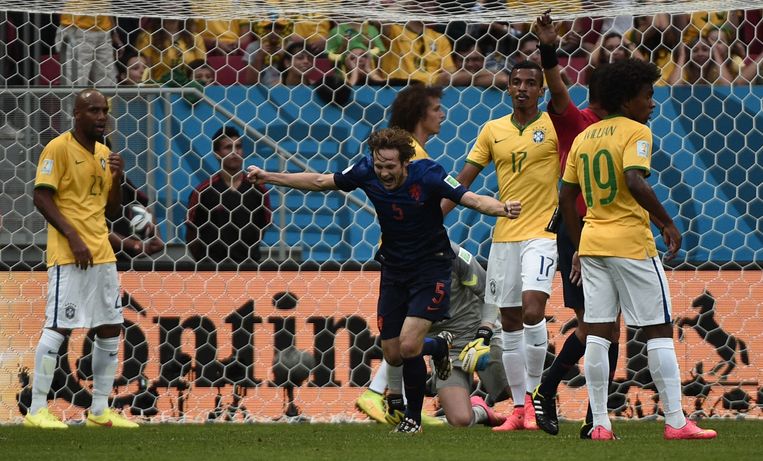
<point>465,177</point>
<point>302,181</point>
<point>547,36</point>
<point>490,206</point>
<point>644,195</point>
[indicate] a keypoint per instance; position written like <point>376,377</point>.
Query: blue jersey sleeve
<point>353,176</point>
<point>445,184</point>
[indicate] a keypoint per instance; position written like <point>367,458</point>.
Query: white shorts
<point>83,298</point>
<point>638,287</point>
<point>514,267</point>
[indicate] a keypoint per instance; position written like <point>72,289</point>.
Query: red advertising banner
<point>189,336</point>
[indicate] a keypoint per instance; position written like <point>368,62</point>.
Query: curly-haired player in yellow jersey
<point>617,257</point>
<point>78,180</point>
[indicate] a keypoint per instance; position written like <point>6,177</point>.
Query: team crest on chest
<point>415,192</point>
<point>539,136</point>
<point>103,164</point>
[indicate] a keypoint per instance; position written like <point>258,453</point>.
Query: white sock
<point>536,344</point>
<point>395,379</point>
<point>514,364</point>
<point>597,379</point>
<point>45,358</point>
<point>663,366</point>
<point>479,415</point>
<point>379,381</point>
<point>105,362</point>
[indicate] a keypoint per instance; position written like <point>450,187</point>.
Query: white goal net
<point>263,305</point>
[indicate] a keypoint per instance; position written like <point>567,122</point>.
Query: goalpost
<point>200,343</point>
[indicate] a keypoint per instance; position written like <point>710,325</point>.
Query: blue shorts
<point>573,294</point>
<point>421,292</point>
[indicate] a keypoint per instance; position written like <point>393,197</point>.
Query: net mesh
<point>289,331</point>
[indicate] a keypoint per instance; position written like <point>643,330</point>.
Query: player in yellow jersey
<point>522,261</point>
<point>609,162</point>
<point>418,110</point>
<point>78,180</point>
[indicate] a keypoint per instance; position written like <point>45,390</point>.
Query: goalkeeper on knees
<point>475,356</point>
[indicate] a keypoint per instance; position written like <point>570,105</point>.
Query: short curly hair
<point>623,82</point>
<point>411,104</point>
<point>392,138</point>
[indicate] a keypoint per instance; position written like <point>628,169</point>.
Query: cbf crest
<point>103,164</point>
<point>539,136</point>
<point>70,310</point>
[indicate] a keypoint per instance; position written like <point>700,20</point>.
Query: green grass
<point>640,441</point>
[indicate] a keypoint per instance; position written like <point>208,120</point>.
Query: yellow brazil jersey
<point>527,165</point>
<point>418,57</point>
<point>81,182</point>
<point>95,23</point>
<point>615,224</point>
<point>420,152</point>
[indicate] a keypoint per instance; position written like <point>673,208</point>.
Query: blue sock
<point>571,352</point>
<point>414,380</point>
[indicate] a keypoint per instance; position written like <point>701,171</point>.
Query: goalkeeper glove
<point>476,355</point>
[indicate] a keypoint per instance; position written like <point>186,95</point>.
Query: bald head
<point>91,112</point>
<point>86,97</point>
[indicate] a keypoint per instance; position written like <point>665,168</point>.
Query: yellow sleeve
<point>482,153</point>
<point>52,166</point>
<point>570,170</point>
<point>638,150</point>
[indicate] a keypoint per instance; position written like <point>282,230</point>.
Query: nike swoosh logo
<point>52,352</point>
<point>79,161</point>
<point>106,424</point>
<point>471,282</point>
<point>539,344</point>
<point>538,279</point>
<point>500,140</point>
<point>432,309</point>
<point>113,354</point>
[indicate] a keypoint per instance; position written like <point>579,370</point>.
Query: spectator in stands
<point>86,52</point>
<point>169,46</point>
<point>226,214</point>
<point>202,72</point>
<point>470,65</point>
<point>314,30</point>
<point>358,65</point>
<point>578,37</point>
<point>221,37</point>
<point>701,21</point>
<point>346,34</point>
<point>416,52</point>
<point>298,63</point>
<point>125,243</point>
<point>264,54</point>
<point>132,69</point>
<point>654,39</point>
<point>609,49</point>
<point>703,64</point>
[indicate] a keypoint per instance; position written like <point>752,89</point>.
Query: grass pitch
<point>737,441</point>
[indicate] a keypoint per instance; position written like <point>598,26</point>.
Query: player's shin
<point>105,361</point>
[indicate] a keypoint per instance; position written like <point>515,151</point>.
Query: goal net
<point>262,307</point>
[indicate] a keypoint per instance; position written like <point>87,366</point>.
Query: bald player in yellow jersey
<point>609,162</point>
<point>78,180</point>
<point>418,110</point>
<point>523,255</point>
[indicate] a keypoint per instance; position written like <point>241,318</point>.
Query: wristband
<point>485,333</point>
<point>548,58</point>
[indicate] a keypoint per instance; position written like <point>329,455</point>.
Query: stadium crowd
<point>720,48</point>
